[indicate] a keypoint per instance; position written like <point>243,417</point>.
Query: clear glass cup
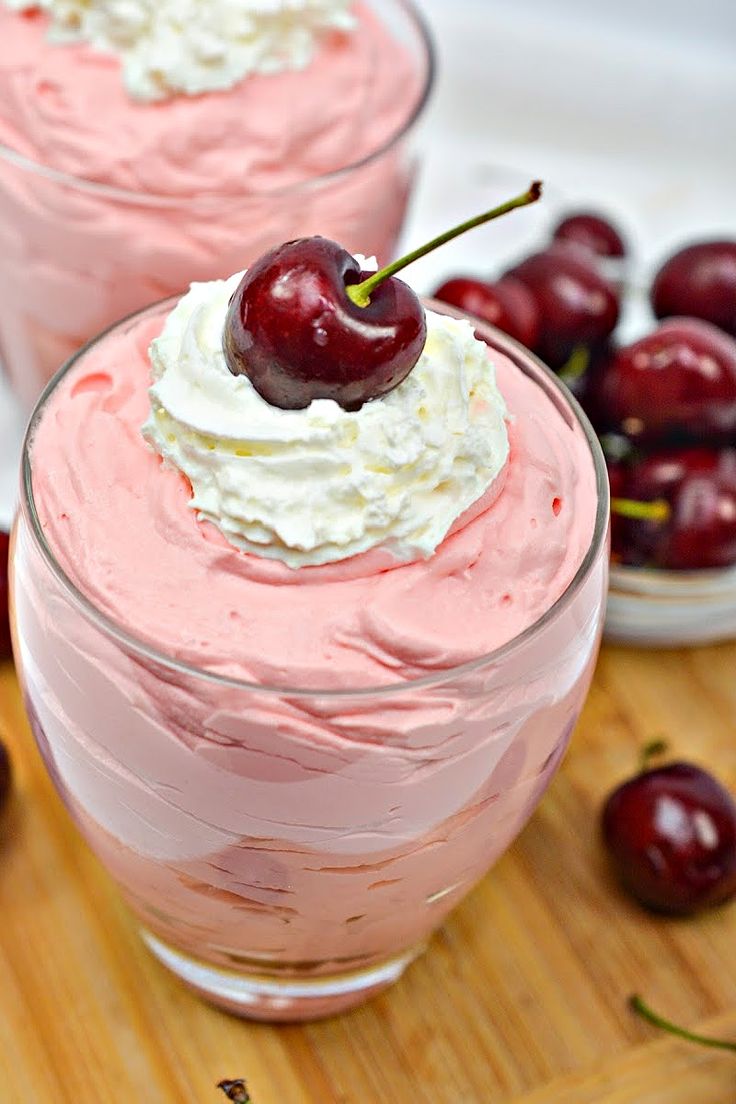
<point>75,255</point>
<point>288,853</point>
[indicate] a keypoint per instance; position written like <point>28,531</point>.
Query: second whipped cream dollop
<point>194,46</point>
<point>313,486</point>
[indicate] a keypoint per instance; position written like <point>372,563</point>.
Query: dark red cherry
<point>671,835</point>
<point>591,232</point>
<point>582,374</point>
<point>297,335</point>
<point>5,645</point>
<point>699,281</point>
<point>5,775</point>
<point>507,304</point>
<point>699,485</point>
<point>305,323</point>
<point>577,306</point>
<point>677,383</point>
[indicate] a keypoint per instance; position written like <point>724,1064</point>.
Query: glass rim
<point>501,342</point>
<point>153,199</point>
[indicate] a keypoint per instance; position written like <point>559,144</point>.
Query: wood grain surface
<point>522,996</point>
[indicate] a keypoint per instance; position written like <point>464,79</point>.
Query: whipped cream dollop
<point>194,46</point>
<point>313,486</point>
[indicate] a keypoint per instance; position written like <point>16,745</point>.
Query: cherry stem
<point>636,1004</point>
<point>652,750</point>
<point>577,365</point>
<point>658,510</point>
<point>235,1091</point>
<point>361,293</point>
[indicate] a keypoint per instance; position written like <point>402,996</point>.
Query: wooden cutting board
<point>522,997</point>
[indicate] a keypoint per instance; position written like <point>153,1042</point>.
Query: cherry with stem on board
<point>670,832</point>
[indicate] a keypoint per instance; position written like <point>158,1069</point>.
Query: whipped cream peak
<point>169,47</point>
<point>322,484</point>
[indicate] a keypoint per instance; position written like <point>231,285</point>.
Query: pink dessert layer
<point>279,832</point>
<point>122,528</point>
<point>66,108</point>
<point>200,177</point>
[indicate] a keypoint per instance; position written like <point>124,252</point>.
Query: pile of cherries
<point>664,406</point>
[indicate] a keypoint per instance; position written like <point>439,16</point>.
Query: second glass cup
<point>288,851</point>
<point>76,254</point>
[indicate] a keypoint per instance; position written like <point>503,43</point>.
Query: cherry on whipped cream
<point>305,323</point>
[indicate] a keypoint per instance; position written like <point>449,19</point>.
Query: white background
<point>627,105</point>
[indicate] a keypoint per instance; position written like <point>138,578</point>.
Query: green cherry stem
<point>577,365</point>
<point>636,1004</point>
<point>652,750</point>
<point>235,1091</point>
<point>361,293</point>
<point>658,510</point>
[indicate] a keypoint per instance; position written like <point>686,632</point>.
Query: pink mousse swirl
<point>65,106</point>
<point>122,529</point>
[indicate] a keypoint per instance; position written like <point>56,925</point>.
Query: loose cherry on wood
<point>305,323</point>
<point>699,280</point>
<point>671,836</point>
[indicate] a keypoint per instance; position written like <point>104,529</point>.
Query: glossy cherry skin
<point>676,384</point>
<point>5,645</point>
<point>671,835</point>
<point>507,304</point>
<point>699,280</point>
<point>591,232</point>
<point>577,306</point>
<point>700,486</point>
<point>5,775</point>
<point>294,331</point>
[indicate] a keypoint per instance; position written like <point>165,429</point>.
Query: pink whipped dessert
<point>140,149</point>
<point>301,676</point>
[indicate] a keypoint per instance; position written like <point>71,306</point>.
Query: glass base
<point>259,997</point>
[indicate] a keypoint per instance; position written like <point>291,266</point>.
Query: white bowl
<point>666,609</point>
